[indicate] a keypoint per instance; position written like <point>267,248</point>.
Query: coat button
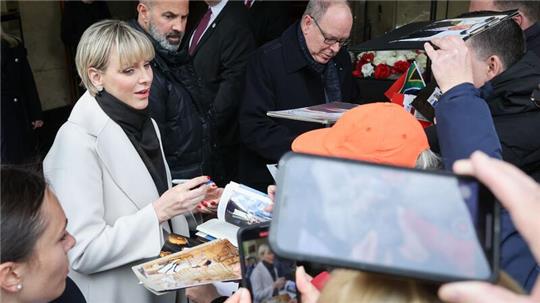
<point>16,59</point>
<point>15,100</point>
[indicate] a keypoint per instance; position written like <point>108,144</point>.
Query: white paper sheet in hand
<point>220,230</point>
<point>272,168</point>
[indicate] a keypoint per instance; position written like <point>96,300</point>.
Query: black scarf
<point>328,71</point>
<point>270,267</point>
<point>140,131</point>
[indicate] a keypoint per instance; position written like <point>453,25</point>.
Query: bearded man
<point>176,100</point>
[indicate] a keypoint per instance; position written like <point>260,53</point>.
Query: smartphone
<point>268,277</point>
<point>434,226</point>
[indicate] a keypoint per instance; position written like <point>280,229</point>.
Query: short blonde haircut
<point>263,250</point>
<point>355,286</point>
<point>98,42</point>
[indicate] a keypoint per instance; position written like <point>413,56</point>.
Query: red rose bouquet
<point>387,64</point>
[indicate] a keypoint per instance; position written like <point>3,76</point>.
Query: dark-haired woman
<point>34,240</point>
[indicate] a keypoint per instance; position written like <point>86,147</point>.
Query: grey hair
<point>428,160</point>
<point>317,8</point>
<point>148,3</point>
<point>263,249</point>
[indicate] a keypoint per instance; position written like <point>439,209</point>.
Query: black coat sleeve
<point>32,101</point>
<point>259,132</point>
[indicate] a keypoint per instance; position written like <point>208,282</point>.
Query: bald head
<point>529,11</point>
<point>482,5</point>
<point>326,25</point>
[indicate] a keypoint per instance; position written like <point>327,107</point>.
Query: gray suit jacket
<point>107,194</point>
<point>261,283</point>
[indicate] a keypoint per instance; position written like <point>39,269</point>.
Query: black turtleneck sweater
<point>140,130</point>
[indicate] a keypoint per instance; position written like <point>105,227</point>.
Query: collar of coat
<point>510,91</point>
<point>116,151</point>
<point>533,32</point>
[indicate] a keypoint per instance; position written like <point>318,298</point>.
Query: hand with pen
<point>451,63</point>
<point>182,198</point>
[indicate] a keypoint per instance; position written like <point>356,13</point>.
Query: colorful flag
<point>404,90</point>
<point>413,80</point>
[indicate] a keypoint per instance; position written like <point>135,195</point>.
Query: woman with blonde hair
<point>355,286</point>
<point>108,169</point>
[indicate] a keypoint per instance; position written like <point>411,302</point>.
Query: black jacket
<point>278,77</point>
<point>20,107</point>
<point>180,109</point>
<point>516,117</point>
<point>220,59</point>
<point>532,34</point>
<point>268,20</point>
<point>517,120</point>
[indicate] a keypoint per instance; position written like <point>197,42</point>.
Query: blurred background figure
<point>77,17</point>
<point>220,47</point>
<point>21,107</point>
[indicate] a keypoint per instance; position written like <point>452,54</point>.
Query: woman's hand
<point>210,203</point>
<point>181,198</point>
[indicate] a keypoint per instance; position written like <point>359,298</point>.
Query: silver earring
<point>19,287</point>
<point>100,88</point>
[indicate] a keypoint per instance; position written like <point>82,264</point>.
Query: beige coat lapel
<point>125,166</point>
<point>118,155</point>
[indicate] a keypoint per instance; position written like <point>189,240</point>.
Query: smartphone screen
<point>408,222</point>
<point>268,277</point>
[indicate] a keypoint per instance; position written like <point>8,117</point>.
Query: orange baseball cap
<point>376,132</point>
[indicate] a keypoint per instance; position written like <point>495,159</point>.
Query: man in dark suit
<point>307,65</point>
<point>220,46</point>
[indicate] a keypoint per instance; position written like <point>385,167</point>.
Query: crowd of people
<point>163,104</point>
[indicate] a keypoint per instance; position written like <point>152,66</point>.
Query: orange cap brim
<point>311,142</point>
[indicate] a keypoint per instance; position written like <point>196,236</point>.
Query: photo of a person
<point>246,209</point>
<point>267,282</point>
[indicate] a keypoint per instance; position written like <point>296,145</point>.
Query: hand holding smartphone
<point>422,224</point>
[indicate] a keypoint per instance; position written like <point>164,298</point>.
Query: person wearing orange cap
<point>377,132</point>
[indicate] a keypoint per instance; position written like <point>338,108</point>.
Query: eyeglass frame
<point>330,41</point>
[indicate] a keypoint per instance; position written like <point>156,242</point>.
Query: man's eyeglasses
<point>331,40</point>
